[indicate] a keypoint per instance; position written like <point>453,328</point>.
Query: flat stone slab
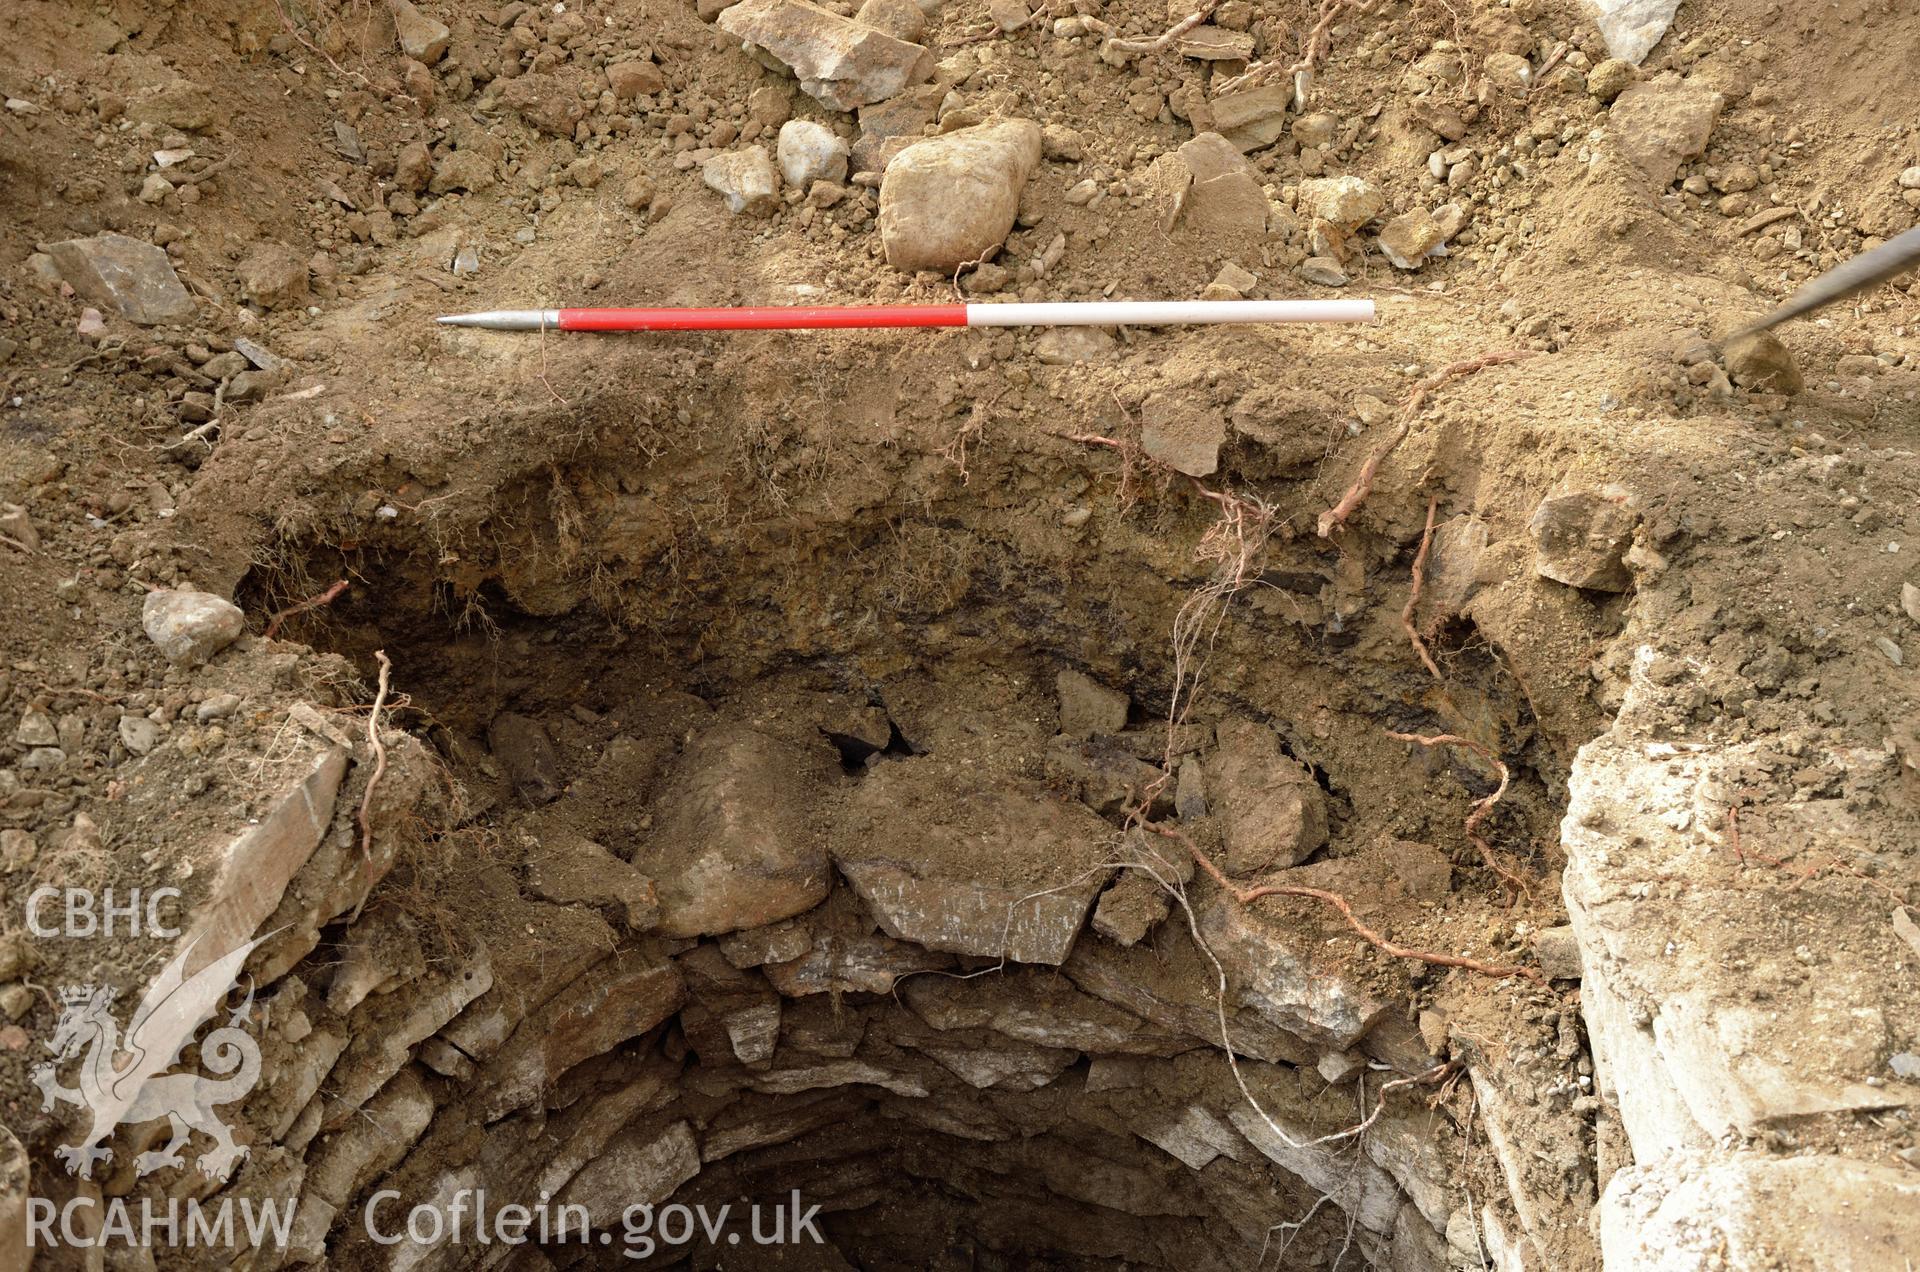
<point>1007,871</point>
<point>131,277</point>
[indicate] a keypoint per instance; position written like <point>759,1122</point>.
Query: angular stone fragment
<point>1105,777</point>
<point>741,1003</point>
<point>1274,812</point>
<point>746,178</point>
<point>385,1029</point>
<point>1347,202</point>
<point>568,868</point>
<point>369,1147</point>
<point>1143,894</point>
<point>1409,239</point>
<point>735,846</point>
<point>1752,1211</point>
<point>1581,539</point>
<point>191,627</point>
<point>422,38</point>
<point>859,965</point>
<point>775,943</point>
<point>1760,360</point>
<point>1002,872</point>
<point>274,276</point>
<point>1287,975</point>
<point>840,62</point>
<point>1212,194</point>
<point>953,198</point>
<point>1183,434</point>
<point>1253,117</point>
<point>133,278</point>
<point>1661,124</point>
<point>1087,707</point>
<point>901,19</point>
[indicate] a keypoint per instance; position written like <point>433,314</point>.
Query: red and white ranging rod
<point>1076,313</point>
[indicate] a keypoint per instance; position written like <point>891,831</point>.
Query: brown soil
<point>879,550</point>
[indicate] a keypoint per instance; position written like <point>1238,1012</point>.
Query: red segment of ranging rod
<point>763,318</point>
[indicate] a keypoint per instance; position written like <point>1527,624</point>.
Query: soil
<point>878,549</point>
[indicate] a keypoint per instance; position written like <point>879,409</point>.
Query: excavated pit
<point>800,853</point>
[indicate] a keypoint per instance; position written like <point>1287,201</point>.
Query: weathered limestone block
<point>1693,1212</point>
<point>619,998</point>
<point>735,845</point>
<point>1007,871</point>
<point>839,62</point>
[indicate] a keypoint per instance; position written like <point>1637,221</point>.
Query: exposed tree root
<point>379,767</point>
<point>1336,516</point>
<point>1168,36</point>
<point>1413,597</point>
<point>1247,896</point>
<point>300,607</point>
<point>1318,44</point>
<point>1482,807</point>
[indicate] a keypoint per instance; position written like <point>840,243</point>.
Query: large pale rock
<point>1661,124</point>
<point>1211,194</point>
<point>952,199</point>
<point>191,627</point>
<point>1699,1031</point>
<point>1273,811</point>
<point>840,62</point>
<point>747,180</point>
<point>1692,1213</point>
<point>1006,871</point>
<point>810,152</point>
<point>1581,539</point>
<point>735,845</point>
<point>133,278</point>
<point>1631,27</point>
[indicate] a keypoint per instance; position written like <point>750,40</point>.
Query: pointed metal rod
<point>1094,313</point>
<point>1849,278</point>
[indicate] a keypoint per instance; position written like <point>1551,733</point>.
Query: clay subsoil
<point>810,702</point>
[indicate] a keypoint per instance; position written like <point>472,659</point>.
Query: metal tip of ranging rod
<point>506,319</point>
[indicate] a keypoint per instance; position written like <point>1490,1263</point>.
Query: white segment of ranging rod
<point>1153,313</point>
